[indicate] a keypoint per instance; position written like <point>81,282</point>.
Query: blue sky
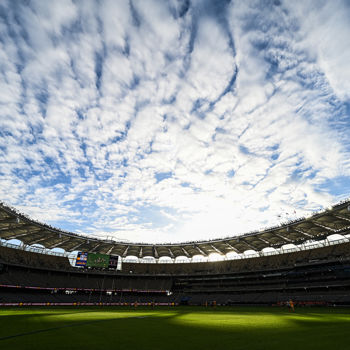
<point>157,121</point>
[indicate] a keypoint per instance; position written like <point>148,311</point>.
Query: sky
<point>167,121</point>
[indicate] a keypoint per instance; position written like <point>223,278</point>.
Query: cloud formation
<point>173,120</point>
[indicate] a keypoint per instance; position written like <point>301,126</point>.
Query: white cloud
<point>99,100</point>
<point>325,30</point>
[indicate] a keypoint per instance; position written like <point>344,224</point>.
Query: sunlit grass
<point>177,328</point>
<point>217,320</point>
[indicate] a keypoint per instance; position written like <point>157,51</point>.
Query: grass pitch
<point>177,328</point>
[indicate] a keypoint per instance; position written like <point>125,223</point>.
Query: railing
<point>320,244</point>
<point>39,250</point>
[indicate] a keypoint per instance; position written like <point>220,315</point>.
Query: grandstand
<point>316,271</point>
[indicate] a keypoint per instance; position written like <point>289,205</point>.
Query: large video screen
<point>97,260</point>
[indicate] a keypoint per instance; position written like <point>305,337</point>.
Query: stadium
<point>314,273</point>
<point>174,174</point>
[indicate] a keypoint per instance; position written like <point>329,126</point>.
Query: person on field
<point>291,305</point>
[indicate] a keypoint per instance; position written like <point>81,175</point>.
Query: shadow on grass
<point>186,328</point>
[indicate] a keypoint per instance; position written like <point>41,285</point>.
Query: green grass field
<point>177,328</point>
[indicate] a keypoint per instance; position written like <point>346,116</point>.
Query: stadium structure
<point>314,270</point>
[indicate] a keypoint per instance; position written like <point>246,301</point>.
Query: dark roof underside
<point>317,227</point>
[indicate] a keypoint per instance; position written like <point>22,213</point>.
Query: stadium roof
<point>14,225</point>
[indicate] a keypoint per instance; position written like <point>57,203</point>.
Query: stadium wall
<point>315,276</point>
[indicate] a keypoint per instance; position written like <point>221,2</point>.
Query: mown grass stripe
<point>60,327</point>
<point>51,329</point>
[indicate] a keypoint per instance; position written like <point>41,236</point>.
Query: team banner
<point>81,259</point>
<point>97,260</point>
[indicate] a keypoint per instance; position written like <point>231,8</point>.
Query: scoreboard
<point>97,260</point>
<point>113,261</point>
<point>81,259</point>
